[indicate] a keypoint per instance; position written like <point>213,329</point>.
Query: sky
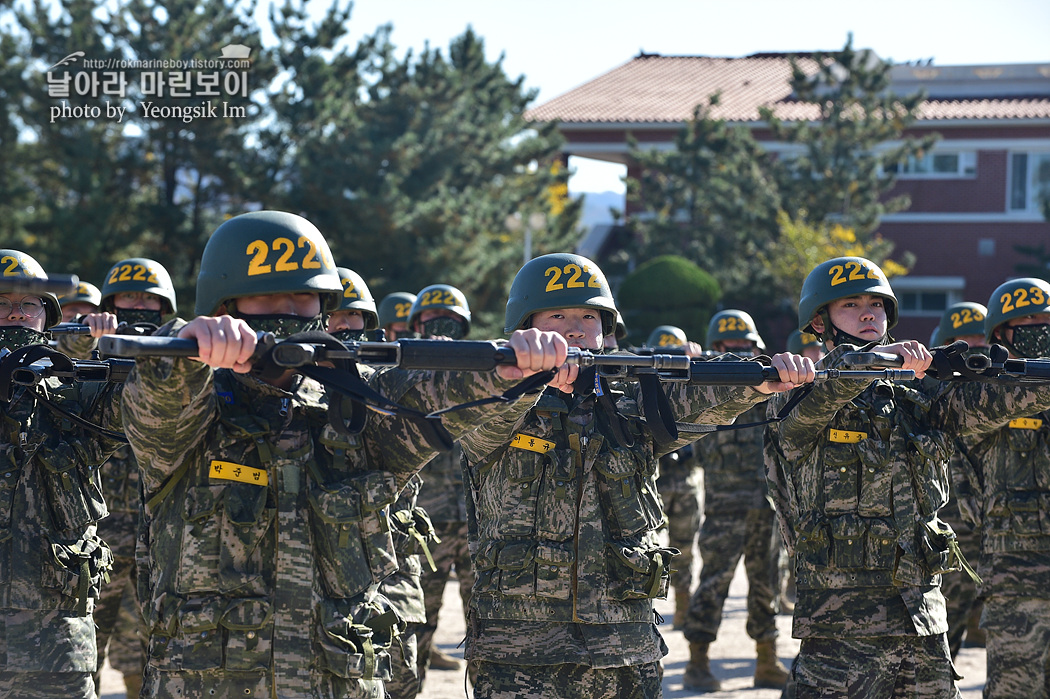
<point>558,45</point>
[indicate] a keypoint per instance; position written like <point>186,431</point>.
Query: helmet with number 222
<point>841,278</point>
<point>559,280</point>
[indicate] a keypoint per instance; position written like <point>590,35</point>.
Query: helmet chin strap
<point>840,337</point>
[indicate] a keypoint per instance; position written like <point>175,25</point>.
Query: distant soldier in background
<point>681,486</point>
<point>84,300</point>
<point>612,340</point>
<point>136,296</point>
<point>441,310</point>
<point>738,520</point>
<point>393,314</point>
<point>962,321</point>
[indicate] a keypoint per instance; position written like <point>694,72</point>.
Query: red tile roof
<point>665,89</point>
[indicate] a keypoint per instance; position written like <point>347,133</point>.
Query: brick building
<point>974,196</point>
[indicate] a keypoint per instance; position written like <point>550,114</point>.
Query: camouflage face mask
<point>15,337</point>
<point>1031,341</point>
<point>444,327</point>
<point>283,326</point>
<point>132,316</point>
<point>350,335</point>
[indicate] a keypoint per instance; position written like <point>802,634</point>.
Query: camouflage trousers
<point>404,680</point>
<point>723,539</point>
<point>251,684</point>
<point>959,590</point>
<point>452,551</point>
<point>121,632</point>
<point>683,522</point>
<point>47,685</point>
<point>499,681</point>
<point>1018,643</point>
<point>881,667</point>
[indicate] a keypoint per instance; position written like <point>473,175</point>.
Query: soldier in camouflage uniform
<point>681,487</point>
<point>738,520</point>
<point>564,516</point>
<point>267,515</point>
<point>865,465</point>
<point>1009,477</point>
<point>52,561</point>
<point>352,321</point>
<point>393,314</point>
<point>137,292</point>
<point>962,321</point>
<point>441,310</point>
<point>85,299</point>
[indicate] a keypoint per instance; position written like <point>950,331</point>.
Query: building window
<point>1029,180</point>
<point>926,296</point>
<point>921,303</point>
<point>938,165</point>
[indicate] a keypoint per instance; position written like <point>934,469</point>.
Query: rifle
<point>57,284</point>
<point>951,363</point>
<point>70,329</point>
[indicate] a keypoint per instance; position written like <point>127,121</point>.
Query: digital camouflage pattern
<point>498,681</point>
<point>272,590</point>
<point>960,591</point>
<point>563,528</point>
<point>52,561</point>
<point>443,498</point>
<point>738,521</point>
<point>681,488</point>
<point>862,501</point>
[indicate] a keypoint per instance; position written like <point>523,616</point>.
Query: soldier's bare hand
<point>100,323</point>
<point>794,370</point>
<point>535,351</point>
<point>223,342</point>
<point>915,355</point>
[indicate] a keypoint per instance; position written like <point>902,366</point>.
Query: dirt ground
<point>732,655</point>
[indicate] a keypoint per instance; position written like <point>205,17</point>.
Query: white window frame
<point>965,166</point>
<point>1031,199</point>
<point>951,287</point>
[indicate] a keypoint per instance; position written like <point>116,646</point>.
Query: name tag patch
<point>229,471</point>
<point>1026,423</point>
<point>846,437</point>
<point>530,443</point>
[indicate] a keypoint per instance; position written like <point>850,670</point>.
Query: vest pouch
<point>74,493</point>
<point>249,634</point>
<point>1019,467</point>
<point>202,527</point>
<point>812,540</point>
<point>517,568</point>
<point>356,642</point>
<point>636,572</point>
<point>8,483</point>
<point>848,541</point>
<point>378,493</point>
<point>882,544</point>
<point>1024,513</point>
<point>556,508</point>
<point>247,516</point>
<point>198,641</point>
<point>513,495</point>
<point>486,574</point>
<point>340,552</point>
<point>840,478</point>
<point>876,479</point>
<point>622,490</point>
<point>929,458</point>
<point>935,545</point>
<point>78,570</point>
<point>997,518</point>
<point>554,570</point>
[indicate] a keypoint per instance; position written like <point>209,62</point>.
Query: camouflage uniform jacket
<point>442,492</point>
<point>865,466</point>
<point>269,531</point>
<point>1008,474</point>
<point>52,561</point>
<point>563,524</point>
<point>734,474</point>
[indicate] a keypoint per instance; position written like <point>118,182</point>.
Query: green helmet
<point>86,292</point>
<point>1015,299</point>
<point>266,252</point>
<point>840,278</point>
<point>965,318</point>
<point>357,297</point>
<point>437,296</point>
<point>15,264</point>
<point>138,274</point>
<point>621,327</point>
<point>799,341</point>
<point>559,280</point>
<point>666,336</point>
<point>395,307</point>
<point>732,324</point>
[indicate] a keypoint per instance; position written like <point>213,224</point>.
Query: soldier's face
<point>581,327</point>
<point>396,330</point>
<point>304,305</point>
<point>77,308</point>
<point>862,316</point>
<point>346,320</point>
<point>16,316</point>
<point>138,300</point>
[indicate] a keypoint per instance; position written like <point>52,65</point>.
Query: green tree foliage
<point>667,290</point>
